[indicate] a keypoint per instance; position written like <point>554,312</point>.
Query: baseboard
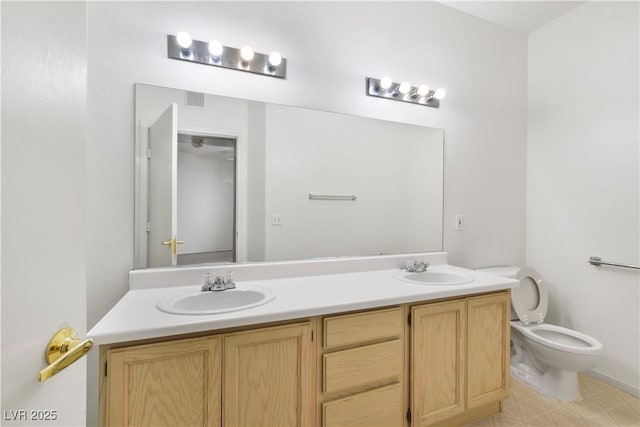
<point>614,382</point>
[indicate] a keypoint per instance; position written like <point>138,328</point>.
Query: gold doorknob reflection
<point>168,242</point>
<point>173,243</point>
<point>63,349</point>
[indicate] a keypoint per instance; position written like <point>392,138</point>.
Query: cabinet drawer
<point>380,407</point>
<point>362,327</point>
<point>347,369</point>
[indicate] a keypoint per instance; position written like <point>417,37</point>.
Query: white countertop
<point>136,317</point>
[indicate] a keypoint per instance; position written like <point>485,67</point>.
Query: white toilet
<point>543,356</point>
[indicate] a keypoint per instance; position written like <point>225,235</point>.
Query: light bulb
<point>184,40</point>
<point>386,83</point>
<point>404,88</point>
<point>275,59</point>
<point>215,48</point>
<point>440,93</point>
<point>423,90</point>
<point>246,53</point>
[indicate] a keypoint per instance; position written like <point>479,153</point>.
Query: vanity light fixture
<point>404,88</point>
<point>215,49</point>
<point>274,59</point>
<point>182,47</point>
<point>383,84</point>
<point>246,53</point>
<point>421,95</point>
<point>440,93</point>
<point>423,90</point>
<point>184,41</point>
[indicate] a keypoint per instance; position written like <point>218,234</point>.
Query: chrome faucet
<point>415,266</point>
<point>218,284</point>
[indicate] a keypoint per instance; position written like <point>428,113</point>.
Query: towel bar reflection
<point>597,261</point>
<point>331,197</point>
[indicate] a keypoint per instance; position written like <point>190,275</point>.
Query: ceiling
<point>521,16</point>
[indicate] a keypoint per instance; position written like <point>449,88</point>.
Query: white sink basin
<point>216,302</point>
<point>434,277</point>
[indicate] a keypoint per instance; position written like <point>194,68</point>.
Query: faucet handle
<point>206,282</point>
<point>228,281</point>
<point>410,266</point>
<point>416,266</point>
<point>422,266</point>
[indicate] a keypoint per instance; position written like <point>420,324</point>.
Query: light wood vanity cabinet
<point>438,342</point>
<point>488,349</point>
<point>459,359</point>
<point>163,384</point>
<point>268,380</point>
<point>448,366</point>
<point>268,377</point>
<point>362,369</point>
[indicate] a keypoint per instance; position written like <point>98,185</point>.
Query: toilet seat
<point>524,296</point>
<point>559,338</point>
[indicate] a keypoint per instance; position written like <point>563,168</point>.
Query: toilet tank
<point>506,271</point>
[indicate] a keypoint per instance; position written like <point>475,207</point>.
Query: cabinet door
<point>268,377</point>
<point>488,349</point>
<point>438,333</point>
<point>174,383</point>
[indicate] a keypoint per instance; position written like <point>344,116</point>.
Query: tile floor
<point>601,405</point>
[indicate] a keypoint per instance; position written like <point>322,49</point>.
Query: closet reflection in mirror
<point>206,198</point>
<point>222,179</point>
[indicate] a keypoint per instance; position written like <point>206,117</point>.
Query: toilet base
<point>554,383</point>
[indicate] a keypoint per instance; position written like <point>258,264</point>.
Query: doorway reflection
<point>206,198</point>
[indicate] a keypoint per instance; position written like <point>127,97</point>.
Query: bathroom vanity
<point>358,348</point>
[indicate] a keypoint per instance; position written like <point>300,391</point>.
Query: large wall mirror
<point>221,179</point>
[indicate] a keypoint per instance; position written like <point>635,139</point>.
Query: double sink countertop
<point>136,317</point>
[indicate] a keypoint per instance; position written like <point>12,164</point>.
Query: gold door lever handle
<point>174,245</point>
<point>63,349</point>
<point>168,242</point>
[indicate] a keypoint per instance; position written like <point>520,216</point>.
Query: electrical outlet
<point>459,222</point>
<point>276,220</point>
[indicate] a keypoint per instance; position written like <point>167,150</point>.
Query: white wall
<point>394,170</point>
<point>205,203</point>
<point>43,204</point>
<point>582,176</point>
<point>330,48</point>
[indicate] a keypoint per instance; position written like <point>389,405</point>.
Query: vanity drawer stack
<point>361,360</point>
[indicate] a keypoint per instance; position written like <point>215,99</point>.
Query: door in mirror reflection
<point>190,196</point>
<point>162,156</point>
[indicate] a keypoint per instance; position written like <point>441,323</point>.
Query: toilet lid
<point>530,300</point>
